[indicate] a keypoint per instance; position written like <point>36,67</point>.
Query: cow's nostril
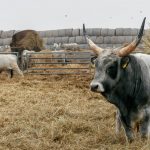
<point>94,87</point>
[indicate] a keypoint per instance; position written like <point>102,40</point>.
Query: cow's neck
<point>135,78</point>
<point>125,95</point>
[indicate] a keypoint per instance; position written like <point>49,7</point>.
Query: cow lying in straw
<point>70,46</point>
<point>66,46</point>
<point>8,62</point>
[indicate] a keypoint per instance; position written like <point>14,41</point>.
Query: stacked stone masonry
<point>104,37</point>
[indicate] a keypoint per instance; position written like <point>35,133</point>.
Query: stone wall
<point>104,37</point>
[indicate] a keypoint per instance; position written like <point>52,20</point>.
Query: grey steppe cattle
<point>8,62</point>
<point>124,80</point>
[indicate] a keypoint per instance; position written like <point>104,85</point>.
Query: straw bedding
<point>57,112</point>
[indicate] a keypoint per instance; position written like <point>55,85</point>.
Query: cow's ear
<point>124,62</point>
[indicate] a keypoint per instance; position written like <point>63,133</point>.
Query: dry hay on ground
<point>57,112</point>
<point>74,69</point>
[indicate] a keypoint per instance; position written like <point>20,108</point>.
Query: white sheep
<point>8,62</point>
<point>56,46</point>
<point>5,48</point>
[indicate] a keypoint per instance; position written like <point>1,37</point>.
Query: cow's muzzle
<point>97,87</point>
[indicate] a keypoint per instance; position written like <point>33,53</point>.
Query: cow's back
<point>144,57</point>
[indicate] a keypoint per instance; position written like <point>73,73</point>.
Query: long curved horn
<point>97,50</point>
<point>131,47</point>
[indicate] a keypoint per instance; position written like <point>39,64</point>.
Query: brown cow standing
<point>26,39</point>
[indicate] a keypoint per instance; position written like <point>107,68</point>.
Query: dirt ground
<point>57,113</point>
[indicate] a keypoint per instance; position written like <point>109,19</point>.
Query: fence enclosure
<point>59,63</point>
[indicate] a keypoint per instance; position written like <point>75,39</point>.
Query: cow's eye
<point>112,71</point>
<point>93,59</point>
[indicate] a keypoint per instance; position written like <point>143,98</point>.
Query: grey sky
<point>59,14</point>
